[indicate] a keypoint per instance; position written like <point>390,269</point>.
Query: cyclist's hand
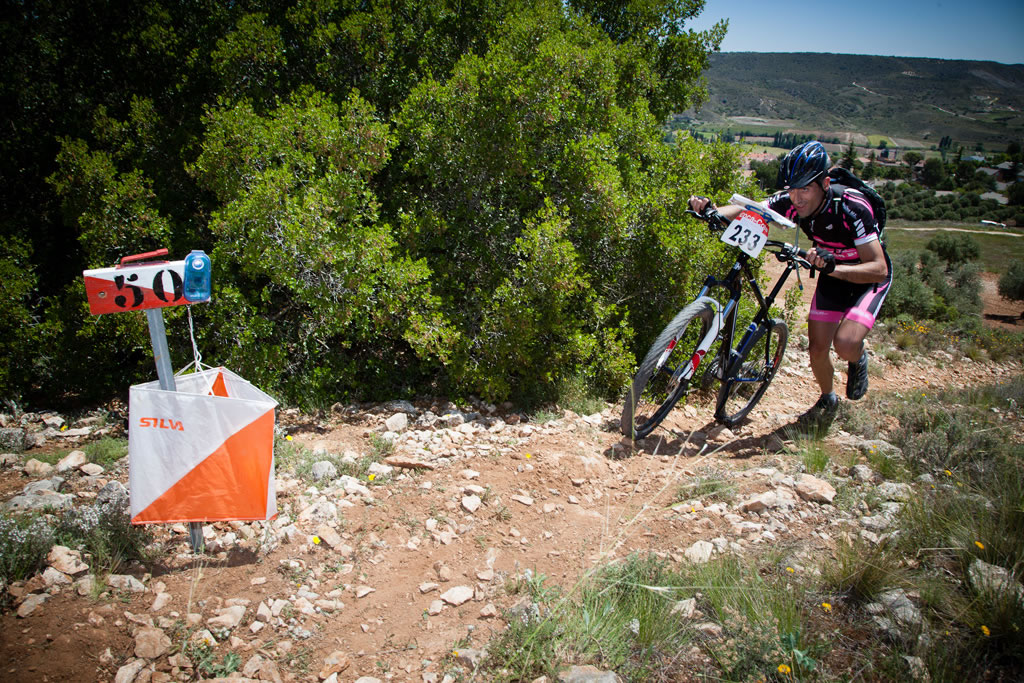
<point>698,203</point>
<point>822,259</point>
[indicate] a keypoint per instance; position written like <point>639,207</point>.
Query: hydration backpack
<point>841,176</point>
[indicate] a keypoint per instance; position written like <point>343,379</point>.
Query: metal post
<point>165,373</point>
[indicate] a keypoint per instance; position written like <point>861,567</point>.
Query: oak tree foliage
<point>398,197</point>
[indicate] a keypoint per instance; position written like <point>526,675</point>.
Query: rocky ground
<point>383,577</point>
<point>404,574</point>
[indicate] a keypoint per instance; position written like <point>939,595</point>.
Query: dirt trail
<point>559,499</point>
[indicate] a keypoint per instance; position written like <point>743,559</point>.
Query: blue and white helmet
<point>803,165</point>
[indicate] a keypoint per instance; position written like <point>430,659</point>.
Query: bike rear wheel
<point>653,392</point>
<point>751,373</point>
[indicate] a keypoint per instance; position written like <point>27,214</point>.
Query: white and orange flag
<point>202,453</point>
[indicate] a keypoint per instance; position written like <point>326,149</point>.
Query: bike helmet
<point>803,165</point>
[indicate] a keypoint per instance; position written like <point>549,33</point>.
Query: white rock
<point>128,672</point>
<point>471,503</point>
<point>457,595</point>
<point>435,607</point>
<point>29,605</point>
<point>161,601</point>
<point>814,489</point>
<point>151,643</point>
<point>125,582</point>
<point>66,560</point>
<point>36,468</point>
<point>71,461</point>
<point>398,422</point>
<point>685,608</point>
<point>53,577</point>
<point>699,552</point>
<point>227,617</point>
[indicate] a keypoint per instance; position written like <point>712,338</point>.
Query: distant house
<point>1010,172</point>
<point>975,158</point>
<point>996,196</point>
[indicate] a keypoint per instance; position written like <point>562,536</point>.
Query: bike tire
<point>751,374</point>
<point>650,398</point>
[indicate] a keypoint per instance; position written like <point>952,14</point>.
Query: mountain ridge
<point>919,98</point>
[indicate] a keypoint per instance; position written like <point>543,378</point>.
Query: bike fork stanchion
<point>162,356</point>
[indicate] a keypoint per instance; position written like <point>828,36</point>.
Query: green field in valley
<point>997,250</point>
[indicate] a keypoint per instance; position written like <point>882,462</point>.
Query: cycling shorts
<point>837,300</point>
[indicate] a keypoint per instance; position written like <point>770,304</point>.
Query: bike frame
<point>724,324</point>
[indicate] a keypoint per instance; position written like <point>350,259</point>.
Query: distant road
<point>977,232</point>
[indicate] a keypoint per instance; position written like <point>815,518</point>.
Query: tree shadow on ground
<point>673,442</point>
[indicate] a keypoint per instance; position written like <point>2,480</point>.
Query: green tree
<point>934,172</point>
<point>849,159</point>
<point>548,118</point>
<point>911,158</point>
<point>1011,283</point>
<point>300,221</point>
<point>366,175</point>
<point>1015,193</point>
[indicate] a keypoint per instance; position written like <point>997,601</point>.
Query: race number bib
<point>749,232</point>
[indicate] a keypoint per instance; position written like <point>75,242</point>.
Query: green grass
<point>293,457</point>
<point>996,250</point>
<point>106,451</point>
<point>814,454</point>
<point>875,140</point>
<point>621,619</point>
<point>709,486</point>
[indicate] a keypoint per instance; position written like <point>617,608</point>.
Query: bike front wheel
<point>655,389</point>
<point>751,373</point>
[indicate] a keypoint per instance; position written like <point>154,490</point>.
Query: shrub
<point>954,248</point>
<point>909,294</point>
<point>24,543</point>
<point>1011,283</point>
<point>105,532</point>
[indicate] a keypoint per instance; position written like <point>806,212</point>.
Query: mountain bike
<point>702,333</point>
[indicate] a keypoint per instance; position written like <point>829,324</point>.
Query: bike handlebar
<point>786,252</point>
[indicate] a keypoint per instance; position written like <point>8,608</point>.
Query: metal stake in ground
<point>162,356</point>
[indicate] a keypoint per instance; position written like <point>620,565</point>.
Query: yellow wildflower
<point>316,540</point>
<point>790,570</point>
<point>948,473</point>
<point>371,477</point>
<point>985,631</point>
<point>784,670</point>
<point>288,438</point>
<point>826,606</point>
<point>528,456</point>
<point>980,545</point>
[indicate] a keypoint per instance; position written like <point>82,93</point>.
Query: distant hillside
<point>921,100</point>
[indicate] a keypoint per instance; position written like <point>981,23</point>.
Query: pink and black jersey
<point>845,223</point>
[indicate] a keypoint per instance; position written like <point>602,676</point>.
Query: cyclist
<point>856,271</point>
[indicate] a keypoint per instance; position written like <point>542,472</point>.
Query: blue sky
<point>990,30</point>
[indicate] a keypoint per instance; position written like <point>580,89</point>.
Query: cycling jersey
<point>845,222</point>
